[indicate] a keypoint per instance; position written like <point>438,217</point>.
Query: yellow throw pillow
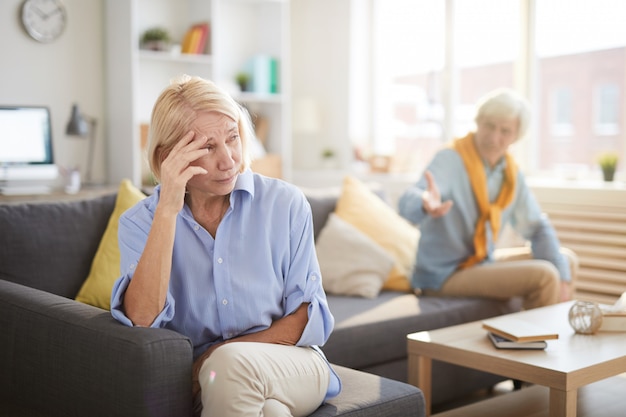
<point>363,209</point>
<point>105,268</point>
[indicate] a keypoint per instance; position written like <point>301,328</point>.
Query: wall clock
<point>44,20</point>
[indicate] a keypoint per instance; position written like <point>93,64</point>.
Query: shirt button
<point>313,277</point>
<point>196,227</point>
<point>224,301</point>
<point>220,260</point>
<point>132,266</point>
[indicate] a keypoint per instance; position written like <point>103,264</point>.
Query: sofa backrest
<point>323,202</point>
<point>50,246</point>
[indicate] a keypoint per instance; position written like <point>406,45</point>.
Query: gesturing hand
<point>431,198</point>
<point>176,170</point>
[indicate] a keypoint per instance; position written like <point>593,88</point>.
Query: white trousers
<point>262,379</point>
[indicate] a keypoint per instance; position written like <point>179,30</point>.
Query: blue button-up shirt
<point>445,242</point>
<point>261,266</point>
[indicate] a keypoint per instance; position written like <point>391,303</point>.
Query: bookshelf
<point>239,30</point>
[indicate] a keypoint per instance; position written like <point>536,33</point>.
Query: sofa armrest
<point>64,358</point>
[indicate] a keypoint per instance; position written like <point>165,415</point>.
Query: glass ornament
<point>585,317</point>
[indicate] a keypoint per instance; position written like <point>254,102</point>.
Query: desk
<point>59,195</point>
<point>567,364</point>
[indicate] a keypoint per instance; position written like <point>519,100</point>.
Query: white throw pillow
<point>351,263</point>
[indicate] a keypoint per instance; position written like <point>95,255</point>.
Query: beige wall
<point>70,69</point>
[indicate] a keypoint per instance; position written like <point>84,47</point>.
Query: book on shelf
<point>504,343</point>
<point>518,330</point>
<point>195,39</point>
<point>203,29</point>
<point>264,74</point>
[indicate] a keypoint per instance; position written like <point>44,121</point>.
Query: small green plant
<point>608,159</point>
<point>155,39</point>
<point>242,79</point>
<point>608,164</point>
<point>156,34</point>
<point>328,153</point>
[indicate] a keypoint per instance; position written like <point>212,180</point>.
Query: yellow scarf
<point>488,212</point>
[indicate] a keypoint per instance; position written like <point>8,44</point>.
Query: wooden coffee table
<point>572,361</point>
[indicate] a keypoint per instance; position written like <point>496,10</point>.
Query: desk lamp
<point>82,126</point>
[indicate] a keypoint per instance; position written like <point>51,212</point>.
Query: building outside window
<point>561,112</point>
<point>606,109</point>
<point>434,59</point>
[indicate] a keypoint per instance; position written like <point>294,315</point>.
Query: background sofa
<point>60,357</point>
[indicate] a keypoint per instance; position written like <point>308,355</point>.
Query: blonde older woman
<point>226,257</point>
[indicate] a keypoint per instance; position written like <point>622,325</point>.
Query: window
<point>562,116</point>
<point>580,47</point>
<point>435,58</point>
<point>406,100</point>
<point>606,106</point>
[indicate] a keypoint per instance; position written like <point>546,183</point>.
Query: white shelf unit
<point>239,30</point>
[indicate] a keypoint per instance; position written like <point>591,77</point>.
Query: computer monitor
<point>26,158</point>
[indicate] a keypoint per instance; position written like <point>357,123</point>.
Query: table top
<point>571,361</point>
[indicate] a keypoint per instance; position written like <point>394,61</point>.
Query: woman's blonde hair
<point>177,108</point>
<point>505,103</point>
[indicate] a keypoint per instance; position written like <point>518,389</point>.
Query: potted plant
<point>328,158</point>
<point>155,39</point>
<point>242,79</point>
<point>328,153</point>
<point>608,164</point>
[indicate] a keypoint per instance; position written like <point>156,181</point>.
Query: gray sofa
<point>59,357</point>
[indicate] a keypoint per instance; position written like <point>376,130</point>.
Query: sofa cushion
<point>105,269</point>
<point>365,395</point>
<point>351,263</point>
<point>359,206</point>
<point>58,238</point>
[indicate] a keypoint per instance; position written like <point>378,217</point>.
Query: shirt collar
<point>245,182</point>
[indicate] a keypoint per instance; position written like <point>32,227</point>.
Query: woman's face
<point>494,136</point>
<point>224,159</point>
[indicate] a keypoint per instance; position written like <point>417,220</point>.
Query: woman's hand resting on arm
<point>284,331</point>
<point>146,293</point>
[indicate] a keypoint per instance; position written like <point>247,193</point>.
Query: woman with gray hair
<point>226,257</point>
<point>468,193</point>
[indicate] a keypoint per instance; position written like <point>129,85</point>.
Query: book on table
<point>503,343</point>
<point>518,330</point>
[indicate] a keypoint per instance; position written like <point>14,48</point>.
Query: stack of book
<point>195,40</point>
<point>264,74</point>
<point>512,333</point>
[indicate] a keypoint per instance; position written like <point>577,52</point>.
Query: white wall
<point>320,56</point>
<point>68,70</point>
